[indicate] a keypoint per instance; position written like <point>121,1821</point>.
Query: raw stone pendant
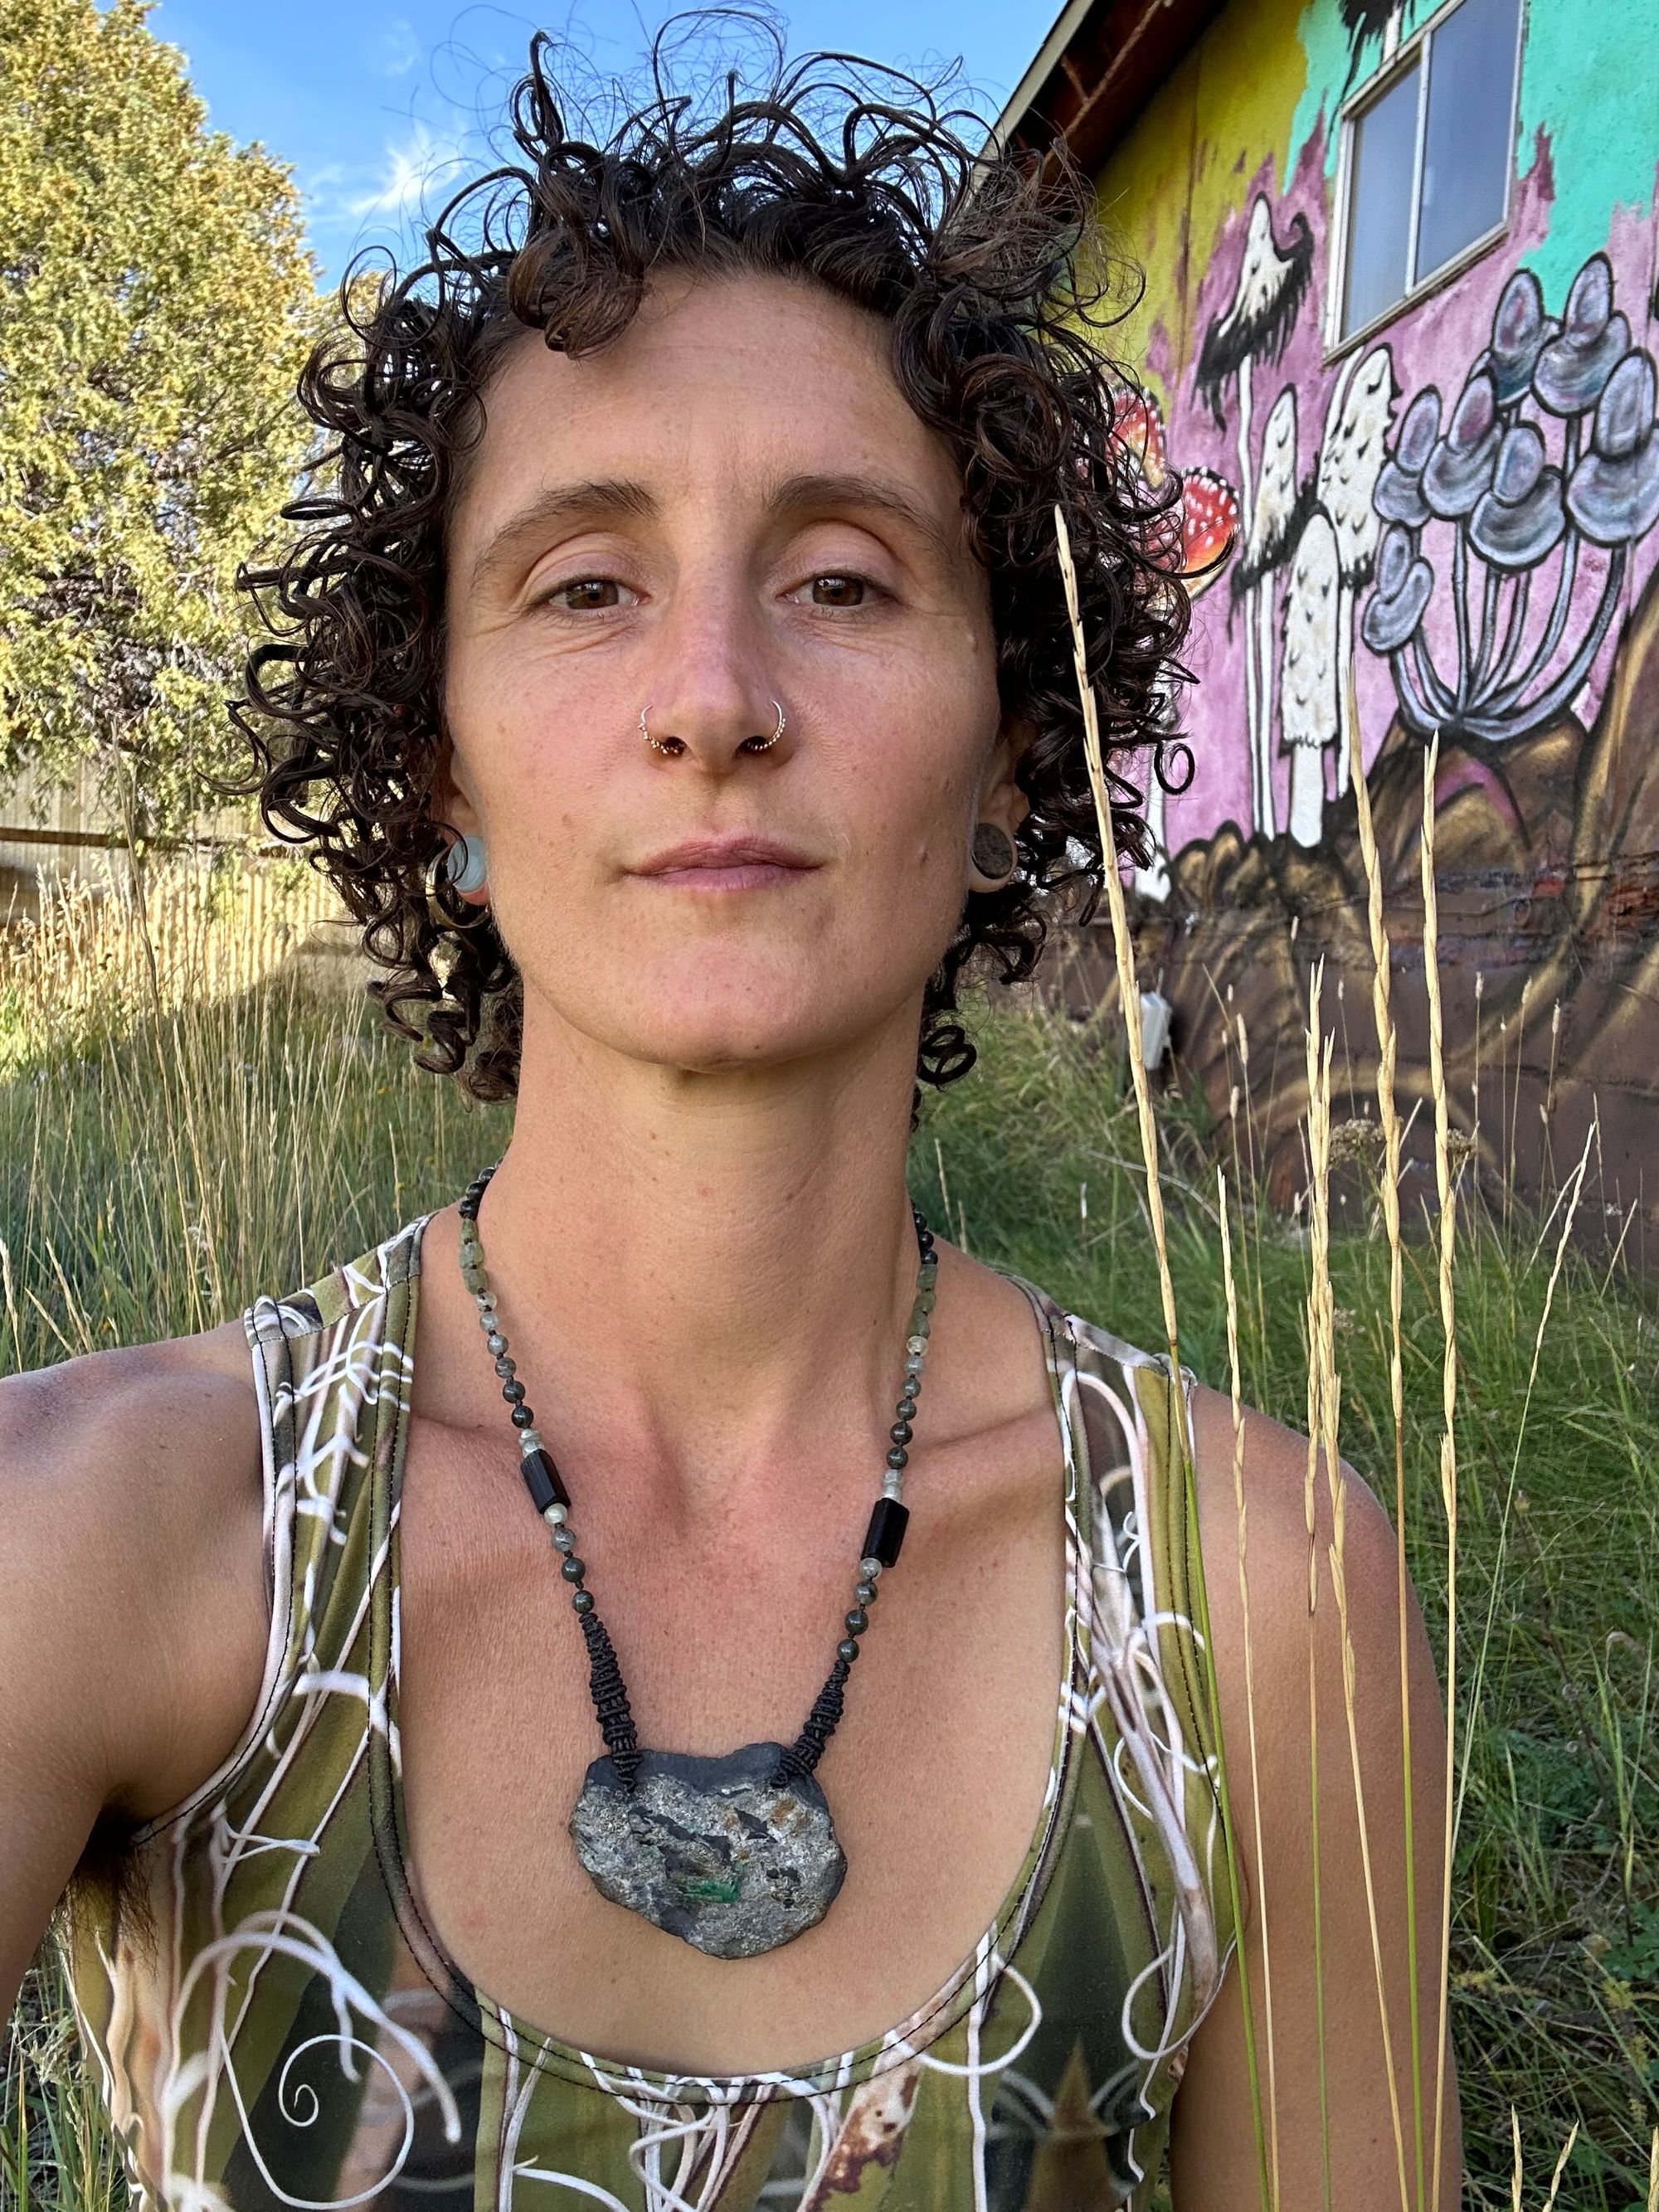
<point>709,1850</point>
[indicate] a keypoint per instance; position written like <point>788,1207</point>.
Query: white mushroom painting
<point>1310,709</point>
<point>1273,281</point>
<point>1350,458</point>
<point>1274,523</point>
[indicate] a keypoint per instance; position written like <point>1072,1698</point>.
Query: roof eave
<point>1100,62</point>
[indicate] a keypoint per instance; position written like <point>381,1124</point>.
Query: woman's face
<point>731,506</point>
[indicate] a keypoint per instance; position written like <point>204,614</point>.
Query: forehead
<point>719,387</point>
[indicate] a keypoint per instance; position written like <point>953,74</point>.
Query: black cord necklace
<point>738,1854</point>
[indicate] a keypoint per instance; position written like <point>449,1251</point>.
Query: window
<point>1428,158</point>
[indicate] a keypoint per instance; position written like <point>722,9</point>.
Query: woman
<point>676,679</point>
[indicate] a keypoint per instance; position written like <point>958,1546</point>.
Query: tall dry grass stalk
<point>1270,2178</point>
<point>1388,1116</point>
<point>1323,1419</point>
<point>95,957</point>
<point>164,1029</point>
<point>1129,994</point>
<point>1124,952</point>
<point>1447,1224</point>
<point>1326,1425</point>
<point>1319,1254</point>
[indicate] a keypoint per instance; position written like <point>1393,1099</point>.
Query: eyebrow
<point>593,500</point>
<point>803,493</point>
<point>598,499</point>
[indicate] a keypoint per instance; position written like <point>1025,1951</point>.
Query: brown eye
<point>838,591</point>
<point>587,594</point>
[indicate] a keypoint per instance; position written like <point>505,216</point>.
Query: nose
<point>715,750</point>
<point>714,703</point>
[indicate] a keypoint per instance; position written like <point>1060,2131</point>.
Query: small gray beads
<point>887,1527</point>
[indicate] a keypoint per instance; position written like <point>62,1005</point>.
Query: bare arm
<point>133,1612</point>
<point>1215,2165</point>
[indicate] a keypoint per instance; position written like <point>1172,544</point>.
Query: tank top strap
<point>1149,1611</point>
<point>330,1367</point>
<point>1129,1419</point>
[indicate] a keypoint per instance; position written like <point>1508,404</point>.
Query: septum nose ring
<point>761,745</point>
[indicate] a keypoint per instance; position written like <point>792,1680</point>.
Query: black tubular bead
<point>886,1531</point>
<point>542,1481</point>
<point>573,1568</point>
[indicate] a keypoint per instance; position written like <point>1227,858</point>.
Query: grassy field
<point>170,1153</point>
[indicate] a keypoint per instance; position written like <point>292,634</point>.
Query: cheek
<point>510,756</point>
<point>923,778</point>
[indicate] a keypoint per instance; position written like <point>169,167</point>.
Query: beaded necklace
<point>736,1854</point>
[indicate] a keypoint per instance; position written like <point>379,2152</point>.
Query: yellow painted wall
<point>1177,173</point>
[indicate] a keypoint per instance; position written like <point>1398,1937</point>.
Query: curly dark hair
<point>988,272</point>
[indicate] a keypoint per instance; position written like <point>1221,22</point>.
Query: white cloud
<point>410,169</point>
<point>399,49</point>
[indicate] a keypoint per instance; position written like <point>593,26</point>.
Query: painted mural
<point>1459,512</point>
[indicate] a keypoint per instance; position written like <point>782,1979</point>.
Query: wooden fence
<point>63,833</point>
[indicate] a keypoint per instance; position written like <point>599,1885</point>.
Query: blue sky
<point>379,103</point>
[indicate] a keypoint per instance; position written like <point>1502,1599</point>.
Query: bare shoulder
<point>1269,1469</point>
<point>1324,1676</point>
<point>131,1567</point>
<point>1285,1597</point>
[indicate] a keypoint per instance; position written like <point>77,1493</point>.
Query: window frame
<point>1411,52</point>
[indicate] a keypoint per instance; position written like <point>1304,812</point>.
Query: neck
<point>707,1276</point>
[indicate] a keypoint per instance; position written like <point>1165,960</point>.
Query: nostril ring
<point>765,744</point>
<point>657,744</point>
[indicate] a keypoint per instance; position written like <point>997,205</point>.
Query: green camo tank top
<point>286,2032</point>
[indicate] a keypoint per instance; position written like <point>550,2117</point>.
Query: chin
<point>684,1021</point>
<point>710,1047</point>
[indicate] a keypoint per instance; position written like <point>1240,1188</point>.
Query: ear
<point>1002,802</point>
<point>450,802</point>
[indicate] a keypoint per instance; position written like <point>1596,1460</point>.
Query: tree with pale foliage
<point>157,301</point>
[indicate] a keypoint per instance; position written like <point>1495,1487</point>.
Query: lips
<point>731,863</point>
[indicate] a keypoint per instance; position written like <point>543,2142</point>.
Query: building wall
<point>1547,807</point>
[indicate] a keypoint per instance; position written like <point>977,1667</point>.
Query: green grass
<point>156,1183</point>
